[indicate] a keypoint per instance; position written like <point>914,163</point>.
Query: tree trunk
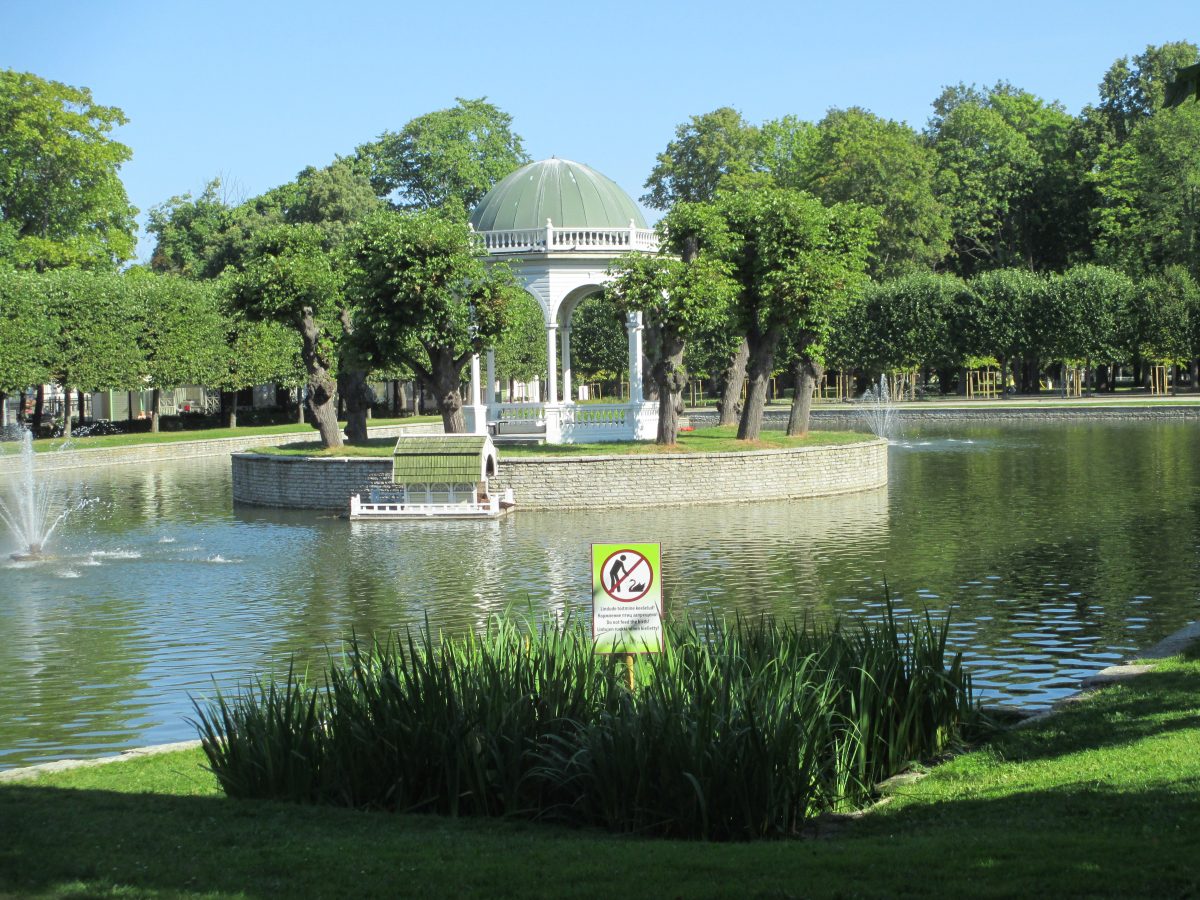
<point>758,372</point>
<point>357,397</point>
<point>444,382</point>
<point>807,374</point>
<point>66,412</point>
<point>79,399</point>
<point>321,388</point>
<point>670,378</point>
<point>3,409</point>
<point>154,401</point>
<point>231,410</point>
<point>732,380</point>
<point>300,405</point>
<point>1195,370</point>
<point>39,409</point>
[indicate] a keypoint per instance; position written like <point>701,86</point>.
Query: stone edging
<point>56,460</point>
<point>586,482</point>
<point>63,765</point>
<point>849,413</point>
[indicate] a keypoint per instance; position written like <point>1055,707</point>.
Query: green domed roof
<point>567,193</point>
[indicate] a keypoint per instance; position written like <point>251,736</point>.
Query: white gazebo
<point>559,224</point>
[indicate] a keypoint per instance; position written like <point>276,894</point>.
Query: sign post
<point>626,601</point>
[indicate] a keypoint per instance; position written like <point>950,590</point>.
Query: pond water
<point>1057,550</point>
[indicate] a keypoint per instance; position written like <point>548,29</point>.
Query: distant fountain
<point>877,408</point>
<point>36,509</point>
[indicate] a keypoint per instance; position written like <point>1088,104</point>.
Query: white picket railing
<point>555,239</point>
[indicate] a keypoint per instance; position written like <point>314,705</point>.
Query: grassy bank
<point>702,440</point>
<point>201,434</point>
<point>1103,800</point>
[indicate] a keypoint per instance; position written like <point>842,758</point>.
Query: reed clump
<point>740,730</point>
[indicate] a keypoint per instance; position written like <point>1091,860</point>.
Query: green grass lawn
<point>1101,800</point>
<point>202,434</point>
<point>702,440</point>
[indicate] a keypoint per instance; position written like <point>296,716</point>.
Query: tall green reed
<point>739,730</point>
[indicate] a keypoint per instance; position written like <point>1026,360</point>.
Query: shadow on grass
<point>1074,840</point>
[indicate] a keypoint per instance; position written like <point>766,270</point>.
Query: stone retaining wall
<point>54,460</point>
<point>659,479</point>
<point>847,418</point>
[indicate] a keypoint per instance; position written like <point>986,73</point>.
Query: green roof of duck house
<point>448,459</point>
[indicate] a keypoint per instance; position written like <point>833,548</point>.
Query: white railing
<point>598,415</point>
<point>555,239</point>
<point>360,509</point>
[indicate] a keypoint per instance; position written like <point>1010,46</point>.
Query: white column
<point>491,376</point>
<point>552,363</point>
<point>633,325</point>
<point>478,417</point>
<point>475,394</point>
<point>566,363</point>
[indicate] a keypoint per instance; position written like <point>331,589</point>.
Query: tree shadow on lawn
<point>1150,704</point>
<point>1077,839</point>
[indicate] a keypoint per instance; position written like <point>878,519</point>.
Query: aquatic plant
<point>739,730</point>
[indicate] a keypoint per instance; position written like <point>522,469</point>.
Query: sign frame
<point>627,607</point>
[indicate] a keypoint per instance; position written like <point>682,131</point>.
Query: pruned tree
<point>427,299</point>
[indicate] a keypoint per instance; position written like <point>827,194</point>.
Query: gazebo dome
<point>567,193</point>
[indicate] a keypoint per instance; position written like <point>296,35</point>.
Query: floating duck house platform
<point>436,476</point>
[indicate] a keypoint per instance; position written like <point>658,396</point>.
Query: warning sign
<point>626,598</point>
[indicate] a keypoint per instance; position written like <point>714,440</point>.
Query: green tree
<point>1149,214</point>
<point>291,280</point>
<point>427,299</point>
<point>794,261</point>
<point>62,202</point>
<point>183,336</point>
<point>910,323</point>
<point>521,346</point>
<point>706,149</point>
<point>992,320</point>
<point>854,156</point>
<point>97,321</point>
<point>599,341</point>
<point>1011,176</point>
<point>446,159</point>
<point>191,233</point>
<point>710,149</point>
<point>26,334</point>
<point>1157,323</point>
<point>1077,321</point>
<point>1134,90</point>
<point>682,294</point>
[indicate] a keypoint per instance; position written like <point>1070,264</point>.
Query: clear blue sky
<point>255,91</point>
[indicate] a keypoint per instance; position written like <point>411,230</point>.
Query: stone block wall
<point>588,482</point>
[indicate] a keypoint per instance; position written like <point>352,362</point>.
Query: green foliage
<point>908,322</point>
<point>97,322</point>
<point>190,233</point>
<point>706,149</point>
<point>1078,318</point>
<point>61,200</point>
<point>26,332</point>
<point>521,347</point>
<point>183,332</point>
<point>418,283</point>
<point>290,276</point>
<point>599,341</point>
<point>445,159</point>
<point>1159,322</point>
<point>993,319</point>
<point>1011,179</point>
<point>1134,90</point>
<point>1149,217</point>
<point>736,731</point>
<point>853,155</point>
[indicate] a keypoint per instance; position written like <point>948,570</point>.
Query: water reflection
<point>1058,549</point>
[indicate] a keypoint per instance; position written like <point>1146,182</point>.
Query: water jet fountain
<point>36,510</point>
<point>877,409</point>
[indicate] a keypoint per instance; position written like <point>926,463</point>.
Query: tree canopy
<point>62,203</point>
<point>445,159</point>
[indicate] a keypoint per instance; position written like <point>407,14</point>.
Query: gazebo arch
<point>559,225</point>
